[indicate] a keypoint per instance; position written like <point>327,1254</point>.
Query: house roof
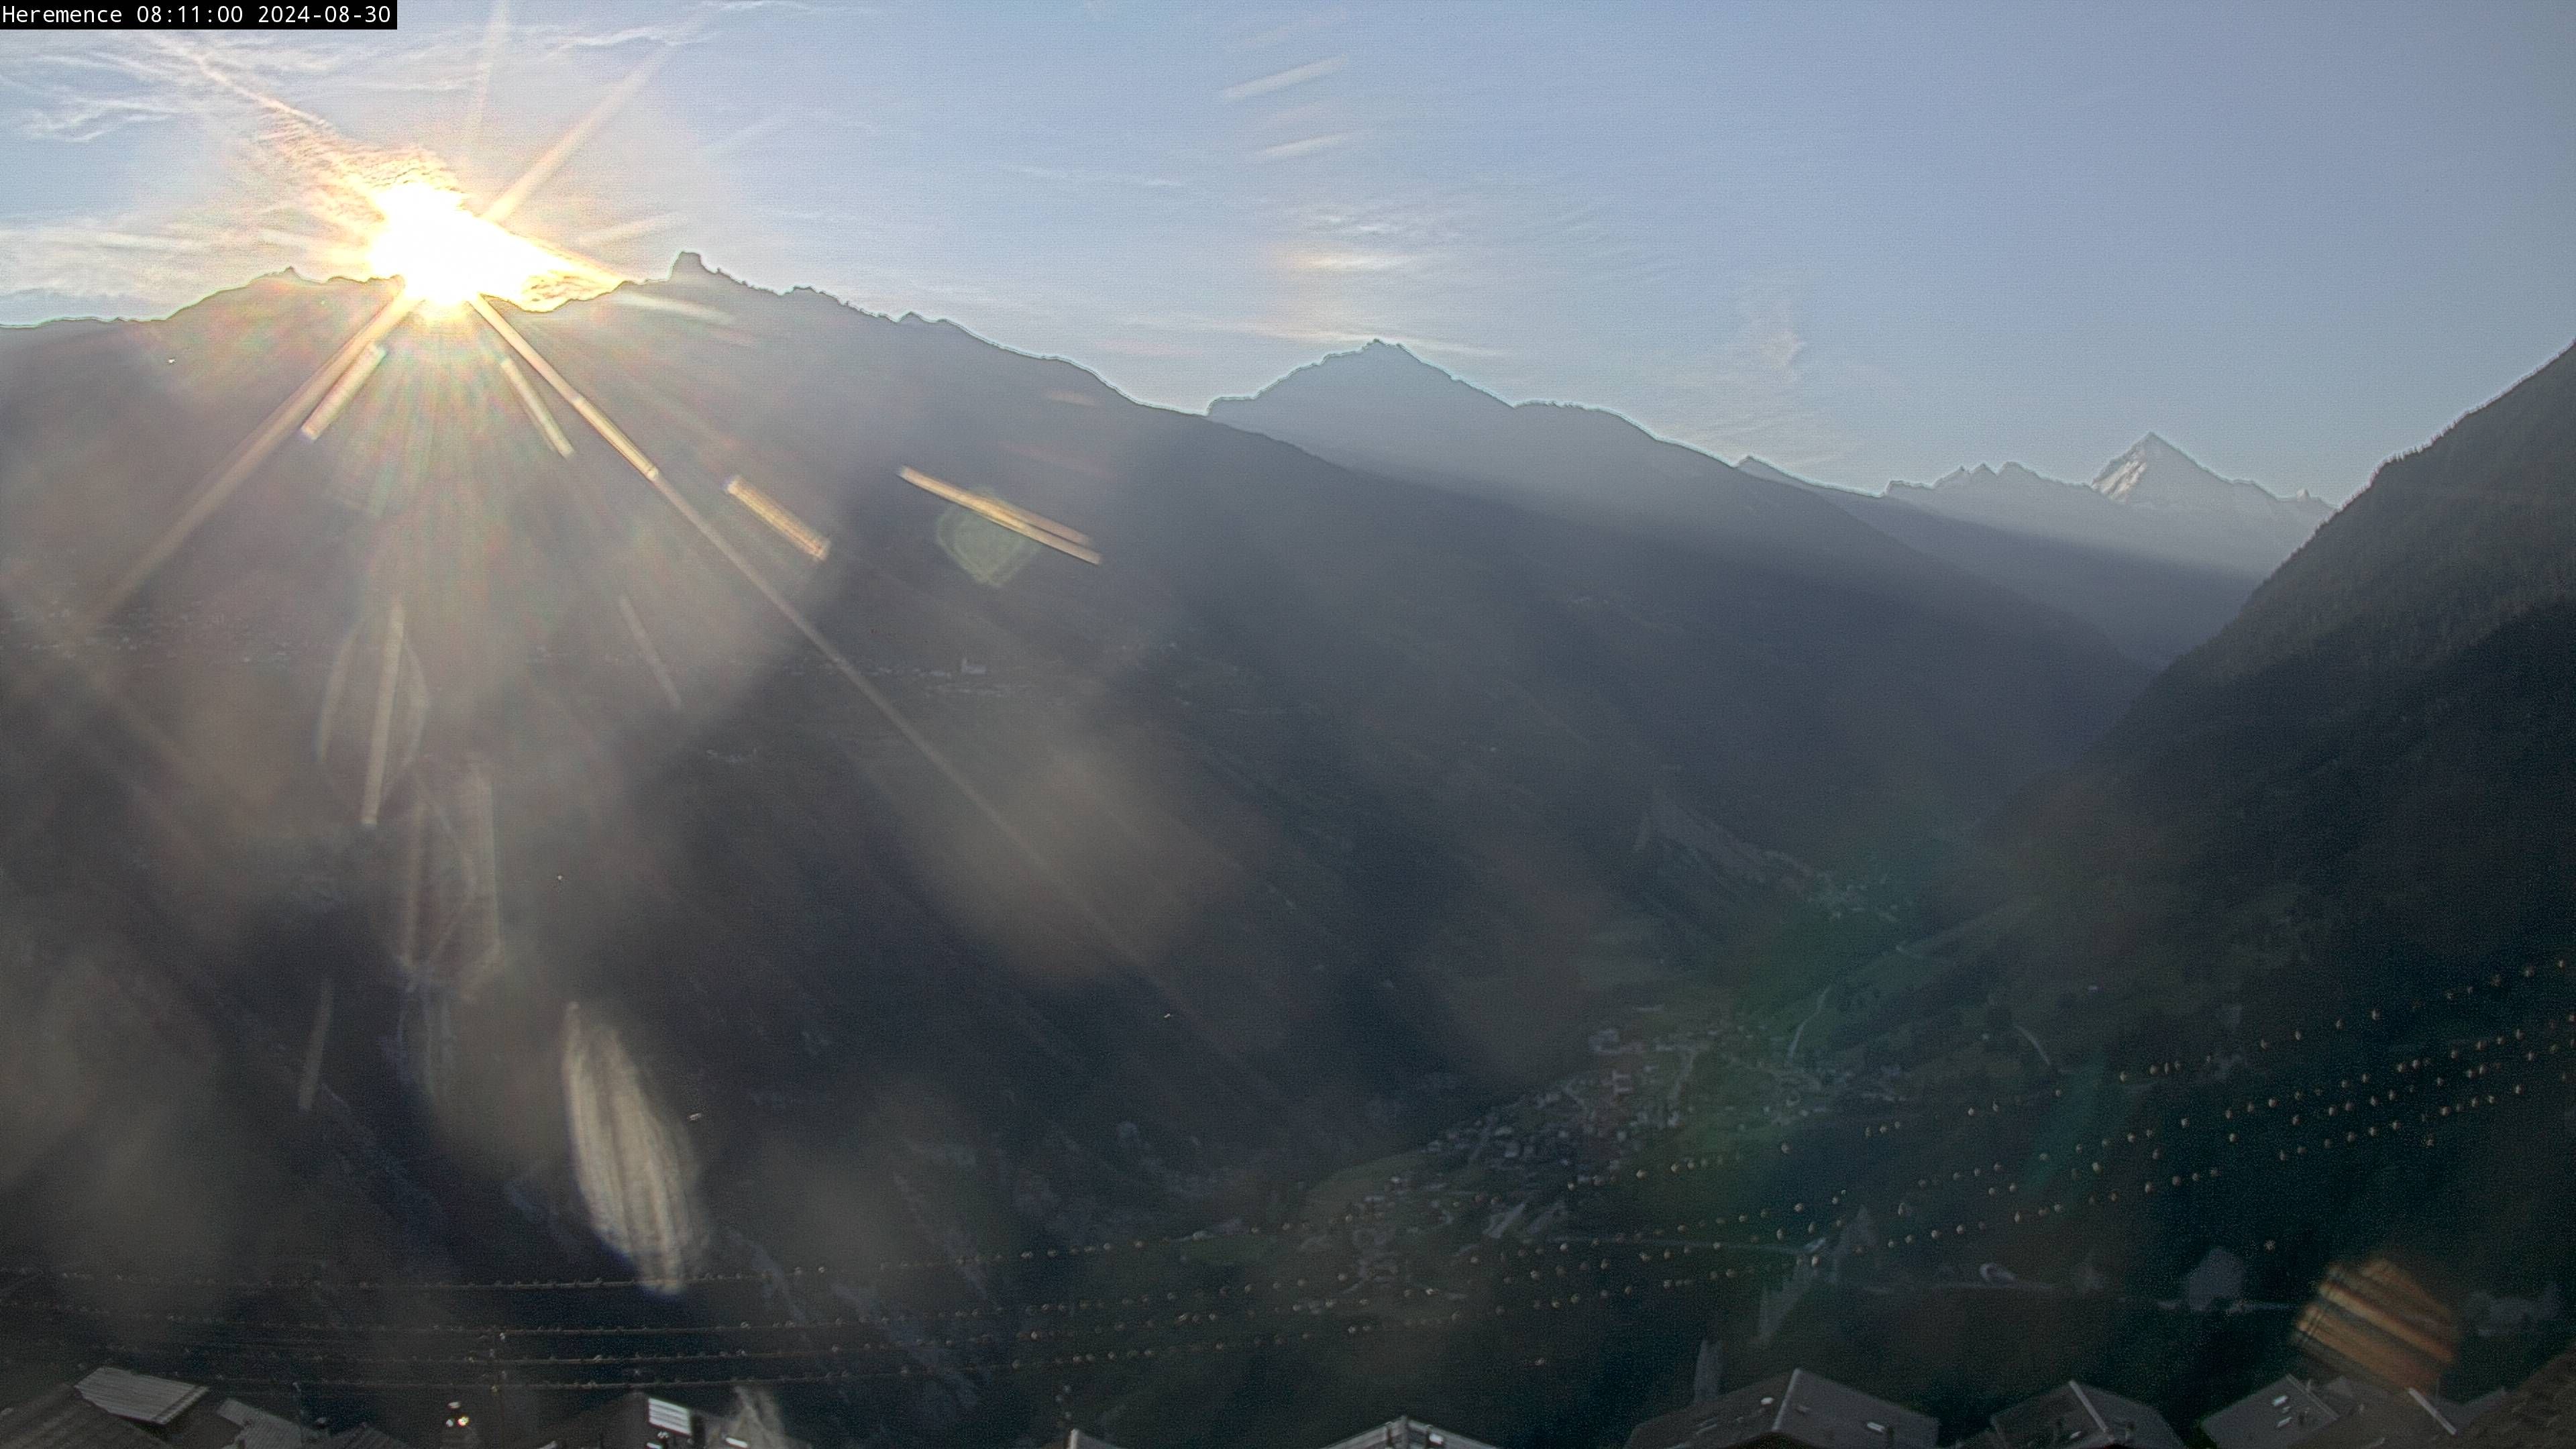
<point>632,1420</point>
<point>200,1428</point>
<point>2079,1416</point>
<point>2275,1416</point>
<point>1408,1434</point>
<point>140,1397</point>
<point>2374,1418</point>
<point>60,1418</point>
<point>1797,1407</point>
<point>259,1428</point>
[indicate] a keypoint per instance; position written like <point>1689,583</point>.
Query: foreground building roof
<point>1795,1410</point>
<point>2080,1416</point>
<point>2276,1416</point>
<point>1408,1434</point>
<point>61,1418</point>
<point>140,1397</point>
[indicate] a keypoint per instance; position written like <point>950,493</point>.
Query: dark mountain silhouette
<point>1383,410</point>
<point>2269,957</point>
<point>2159,553</point>
<point>2360,784</point>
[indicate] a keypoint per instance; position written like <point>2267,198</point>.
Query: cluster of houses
<point>1801,1410</point>
<point>115,1408</point>
<point>112,1408</point>
<point>2375,1343</point>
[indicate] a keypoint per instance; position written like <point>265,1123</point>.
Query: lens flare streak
<point>538,412</point>
<point>382,736</point>
<point>311,1081</point>
<point>342,391</point>
<point>770,511</point>
<point>1019,520</point>
<point>1109,934</point>
<point>652,656</point>
<point>488,955</point>
<point>331,692</point>
<point>254,451</point>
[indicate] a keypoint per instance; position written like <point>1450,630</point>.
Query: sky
<point>1864,241</point>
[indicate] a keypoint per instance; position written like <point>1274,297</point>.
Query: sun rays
<point>446,254</point>
<point>380,404</point>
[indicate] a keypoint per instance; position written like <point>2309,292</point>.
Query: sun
<point>448,256</point>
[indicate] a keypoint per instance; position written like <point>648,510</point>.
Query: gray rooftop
<point>60,1418</point>
<point>2275,1416</point>
<point>1793,1408</point>
<point>1408,1434</point>
<point>2376,1419</point>
<point>2080,1416</point>
<point>140,1397</point>
<point>261,1429</point>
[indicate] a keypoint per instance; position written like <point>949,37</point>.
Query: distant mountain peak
<point>1380,376</point>
<point>1380,359</point>
<point>2156,474</point>
<point>1986,475</point>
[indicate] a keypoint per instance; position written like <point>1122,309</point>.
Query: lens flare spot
<point>632,1166</point>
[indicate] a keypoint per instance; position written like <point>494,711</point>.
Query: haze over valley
<point>619,786</point>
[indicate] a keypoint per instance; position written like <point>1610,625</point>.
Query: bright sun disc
<point>447,256</point>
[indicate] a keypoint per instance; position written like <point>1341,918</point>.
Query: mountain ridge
<point>2159,552</point>
<point>2354,776</point>
<point>1319,778</point>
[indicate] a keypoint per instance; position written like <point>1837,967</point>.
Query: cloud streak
<point>1296,76</point>
<point>1759,391</point>
<point>1084,176</point>
<point>1286,150</point>
<point>1308,333</point>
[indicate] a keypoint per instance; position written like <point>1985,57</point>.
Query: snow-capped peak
<point>2156,474</point>
<point>1988,476</point>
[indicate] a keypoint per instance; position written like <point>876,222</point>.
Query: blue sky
<point>1865,241</point>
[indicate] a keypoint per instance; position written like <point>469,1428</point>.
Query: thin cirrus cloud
<point>1305,333</point>
<point>1307,147</point>
<point>1281,81</point>
<point>1758,391</point>
<point>1085,176</point>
